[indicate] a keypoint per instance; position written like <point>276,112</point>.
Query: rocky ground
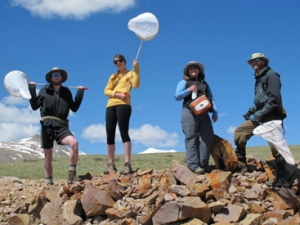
<point>171,196</point>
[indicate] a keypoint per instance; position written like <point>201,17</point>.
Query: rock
<point>95,201</point>
<point>170,196</point>
<point>182,209</point>
<point>231,213</point>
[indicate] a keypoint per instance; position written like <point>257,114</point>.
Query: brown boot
<point>72,177</point>
<point>110,168</point>
<point>127,168</point>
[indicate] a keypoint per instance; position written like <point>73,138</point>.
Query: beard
<point>56,82</point>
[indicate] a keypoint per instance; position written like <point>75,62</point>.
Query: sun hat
<point>193,63</point>
<point>258,55</point>
<point>62,72</point>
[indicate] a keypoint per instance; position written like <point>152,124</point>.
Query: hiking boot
<point>281,175</point>
<point>288,168</point>
<point>110,168</point>
<point>127,168</point>
<point>72,177</point>
<point>242,167</point>
<point>271,163</point>
<point>50,183</point>
<point>208,169</point>
<point>278,183</point>
<point>199,171</point>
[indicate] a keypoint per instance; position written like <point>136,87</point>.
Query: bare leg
<point>127,165</point>
<point>73,157</point>
<point>127,151</point>
<point>72,142</point>
<point>111,153</point>
<point>48,162</point>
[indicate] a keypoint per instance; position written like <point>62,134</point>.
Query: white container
<point>194,94</point>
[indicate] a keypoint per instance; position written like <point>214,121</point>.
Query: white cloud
<point>13,114</point>
<point>231,129</point>
<point>148,135</point>
<point>95,133</point>
<point>11,100</point>
<point>17,131</point>
<point>18,120</point>
<point>77,9</point>
<point>17,123</point>
<point>153,136</point>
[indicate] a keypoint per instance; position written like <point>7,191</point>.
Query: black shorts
<point>53,130</point>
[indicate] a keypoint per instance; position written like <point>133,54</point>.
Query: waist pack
<point>200,105</point>
<point>283,113</point>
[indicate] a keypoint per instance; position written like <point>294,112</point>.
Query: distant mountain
<point>153,150</point>
<point>28,148</point>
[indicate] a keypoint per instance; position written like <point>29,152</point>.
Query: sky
<point>83,36</point>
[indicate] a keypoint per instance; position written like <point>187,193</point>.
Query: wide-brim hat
<point>62,72</point>
<point>258,55</point>
<point>193,63</point>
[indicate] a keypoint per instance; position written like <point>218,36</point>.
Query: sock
<point>72,167</point>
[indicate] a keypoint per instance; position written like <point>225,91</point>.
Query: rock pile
<point>170,196</point>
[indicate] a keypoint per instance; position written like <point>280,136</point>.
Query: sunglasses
<point>56,75</point>
<point>118,61</point>
<point>193,67</point>
<point>255,60</point>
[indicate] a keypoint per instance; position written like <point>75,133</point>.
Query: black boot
<point>290,169</point>
<point>241,155</point>
<point>281,175</point>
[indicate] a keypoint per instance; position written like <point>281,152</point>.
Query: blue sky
<point>83,36</point>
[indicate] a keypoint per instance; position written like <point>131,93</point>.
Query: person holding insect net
<point>118,110</point>
<point>198,129</point>
<point>267,107</point>
<point>55,101</point>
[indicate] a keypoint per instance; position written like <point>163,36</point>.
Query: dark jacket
<point>55,104</point>
<point>202,89</point>
<point>267,100</point>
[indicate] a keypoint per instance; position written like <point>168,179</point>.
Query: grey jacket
<point>267,100</point>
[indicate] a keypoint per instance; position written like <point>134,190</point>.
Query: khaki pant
<point>242,134</point>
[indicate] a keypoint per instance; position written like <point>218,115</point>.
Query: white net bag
<point>272,132</point>
<point>16,84</point>
<point>145,26</point>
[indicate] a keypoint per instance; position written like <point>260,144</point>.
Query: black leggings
<point>117,114</point>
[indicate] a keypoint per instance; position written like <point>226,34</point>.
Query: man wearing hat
<point>54,102</point>
<point>267,107</point>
